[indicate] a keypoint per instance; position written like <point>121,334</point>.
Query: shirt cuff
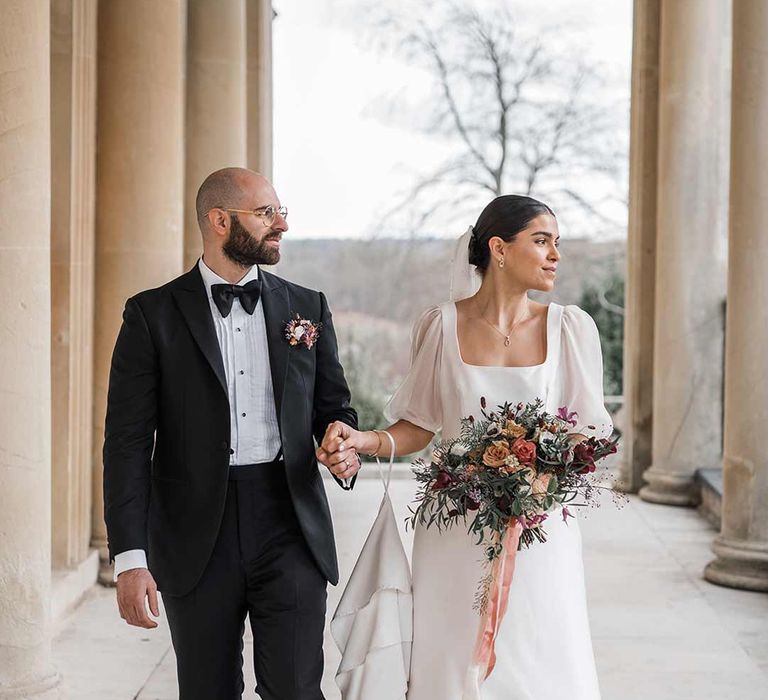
<point>130,559</point>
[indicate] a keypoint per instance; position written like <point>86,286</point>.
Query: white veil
<point>464,279</point>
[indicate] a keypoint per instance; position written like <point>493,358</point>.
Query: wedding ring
<point>346,462</point>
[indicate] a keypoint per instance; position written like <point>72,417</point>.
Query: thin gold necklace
<point>504,335</point>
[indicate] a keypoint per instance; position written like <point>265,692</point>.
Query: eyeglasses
<point>266,214</point>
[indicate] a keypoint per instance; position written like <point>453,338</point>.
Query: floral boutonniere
<point>300,331</point>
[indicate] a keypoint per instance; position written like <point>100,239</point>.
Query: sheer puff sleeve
<point>417,399</point>
<point>582,372</point>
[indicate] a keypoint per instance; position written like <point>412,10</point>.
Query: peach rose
<point>576,438</point>
<point>514,430</point>
<point>495,455</point>
<point>524,450</point>
<point>540,484</point>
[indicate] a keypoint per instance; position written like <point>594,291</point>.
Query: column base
<point>68,586</point>
<point>742,565</point>
<point>106,569</point>
<point>669,489</point>
<point>623,483</point>
<point>46,688</point>
<point>106,573</point>
<point>636,456</point>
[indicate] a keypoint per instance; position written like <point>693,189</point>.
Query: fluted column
<point>641,245</point>
<point>73,153</point>
<point>690,246</point>
<point>742,546</point>
<point>25,351</point>
<point>259,15</point>
<point>216,101</point>
<point>139,179</point>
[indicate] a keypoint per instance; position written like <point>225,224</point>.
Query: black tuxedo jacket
<point>167,433</point>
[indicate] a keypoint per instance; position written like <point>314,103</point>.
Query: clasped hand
<point>339,450</point>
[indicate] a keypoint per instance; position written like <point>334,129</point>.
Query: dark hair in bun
<point>504,217</point>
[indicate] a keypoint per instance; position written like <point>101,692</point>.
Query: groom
<point>211,489</point>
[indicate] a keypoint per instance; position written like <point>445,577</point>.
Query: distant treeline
<point>395,279</point>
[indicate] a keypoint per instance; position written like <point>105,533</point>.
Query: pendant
<point>506,341</point>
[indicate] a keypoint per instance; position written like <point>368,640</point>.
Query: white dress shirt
<point>255,434</point>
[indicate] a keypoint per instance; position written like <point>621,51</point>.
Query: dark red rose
<point>443,480</point>
<point>471,503</point>
<point>524,450</point>
<point>584,452</point>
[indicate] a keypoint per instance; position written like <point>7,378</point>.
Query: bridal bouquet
<point>509,469</point>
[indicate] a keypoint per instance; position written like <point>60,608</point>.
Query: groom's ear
<point>218,221</point>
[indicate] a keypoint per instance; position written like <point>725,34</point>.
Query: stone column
<point>690,246</point>
<point>742,546</point>
<point>259,16</point>
<point>73,153</point>
<point>25,352</point>
<point>139,180</point>
<point>216,101</point>
<point>641,245</point>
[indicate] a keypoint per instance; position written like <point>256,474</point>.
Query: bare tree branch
<point>445,84</point>
<point>520,115</point>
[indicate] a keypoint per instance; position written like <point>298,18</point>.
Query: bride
<point>495,342</point>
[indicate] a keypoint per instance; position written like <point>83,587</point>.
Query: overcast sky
<point>338,162</point>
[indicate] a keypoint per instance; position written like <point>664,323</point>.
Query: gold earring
<point>501,262</point>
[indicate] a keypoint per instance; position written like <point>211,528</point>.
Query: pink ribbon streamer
<point>484,657</point>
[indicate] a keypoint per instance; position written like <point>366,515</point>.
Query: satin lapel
<point>277,312</point>
<point>193,302</point>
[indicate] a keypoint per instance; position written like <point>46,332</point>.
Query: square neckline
<point>547,354</point>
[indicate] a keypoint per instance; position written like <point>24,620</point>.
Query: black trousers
<point>260,566</point>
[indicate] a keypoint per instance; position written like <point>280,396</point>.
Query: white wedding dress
<point>544,648</point>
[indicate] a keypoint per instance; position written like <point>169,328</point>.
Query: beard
<point>243,249</point>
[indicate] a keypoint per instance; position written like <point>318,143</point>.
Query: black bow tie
<point>224,295</point>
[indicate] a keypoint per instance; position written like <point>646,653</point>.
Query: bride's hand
<point>340,436</point>
<point>339,449</point>
<point>335,432</point>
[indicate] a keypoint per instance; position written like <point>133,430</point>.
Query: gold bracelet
<point>378,447</point>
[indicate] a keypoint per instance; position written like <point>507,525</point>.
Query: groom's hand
<point>133,587</point>
<point>337,451</point>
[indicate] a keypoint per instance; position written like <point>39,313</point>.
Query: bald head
<point>236,188</point>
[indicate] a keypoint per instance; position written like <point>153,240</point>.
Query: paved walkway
<point>660,631</point>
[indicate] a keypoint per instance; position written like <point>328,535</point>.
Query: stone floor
<point>660,631</point>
